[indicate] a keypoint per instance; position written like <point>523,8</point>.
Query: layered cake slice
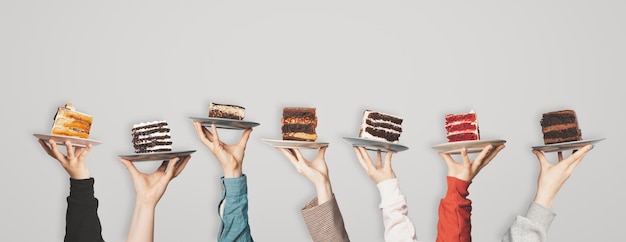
<point>299,123</point>
<point>69,122</point>
<point>151,136</point>
<point>560,126</point>
<point>228,111</point>
<point>462,127</point>
<point>380,126</point>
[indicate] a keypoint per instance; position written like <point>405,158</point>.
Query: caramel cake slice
<point>69,122</point>
<point>299,123</point>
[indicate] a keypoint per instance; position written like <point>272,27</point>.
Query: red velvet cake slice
<point>462,127</point>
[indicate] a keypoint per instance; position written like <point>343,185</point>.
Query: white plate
<point>60,140</point>
<point>294,144</point>
<point>473,146</point>
<point>156,155</point>
<point>566,145</point>
<point>376,144</point>
<point>225,123</point>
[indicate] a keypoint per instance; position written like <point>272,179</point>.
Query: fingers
<point>448,159</point>
<point>363,157</point>
<point>181,165</point>
<point>291,156</point>
<point>495,152</point>
<point>577,157</point>
<point>130,167</point>
<point>388,160</point>
<point>480,159</point>
<point>82,152</point>
<point>379,159</point>
<point>541,157</point>
<point>244,137</point>
<point>55,150</point>
<point>45,147</point>
<point>68,147</point>
<point>164,165</point>
<point>202,132</point>
<point>466,159</point>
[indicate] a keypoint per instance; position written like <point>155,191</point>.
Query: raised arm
<point>454,224</point>
<point>81,219</point>
<point>233,207</point>
<point>321,215</point>
<point>398,225</point>
<point>535,224</point>
<point>149,188</point>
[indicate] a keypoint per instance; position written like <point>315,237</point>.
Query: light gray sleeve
<point>532,228</point>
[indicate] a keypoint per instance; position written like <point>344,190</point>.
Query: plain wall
<point>126,62</point>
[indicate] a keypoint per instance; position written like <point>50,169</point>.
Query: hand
<point>229,156</point>
<point>316,170</point>
<point>376,171</point>
<point>149,188</point>
<point>72,161</point>
<point>553,176</point>
<point>468,169</point>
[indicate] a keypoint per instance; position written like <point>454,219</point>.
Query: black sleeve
<point>81,221</point>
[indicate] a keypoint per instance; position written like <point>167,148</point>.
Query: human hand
<point>378,171</point>
<point>468,169</point>
<point>553,176</point>
<point>316,170</point>
<point>150,187</point>
<point>230,157</point>
<point>72,161</point>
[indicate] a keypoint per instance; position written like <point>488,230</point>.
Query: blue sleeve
<point>234,211</point>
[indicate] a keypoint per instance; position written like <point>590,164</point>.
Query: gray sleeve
<point>531,228</point>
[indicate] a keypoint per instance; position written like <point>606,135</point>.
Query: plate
<point>566,145</point>
<point>294,144</point>
<point>156,155</point>
<point>225,123</point>
<point>376,144</point>
<point>473,146</point>
<point>60,140</point>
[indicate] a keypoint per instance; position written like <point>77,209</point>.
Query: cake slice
<point>299,123</point>
<point>69,122</point>
<point>380,126</point>
<point>228,111</point>
<point>560,126</point>
<point>151,136</point>
<point>462,127</point>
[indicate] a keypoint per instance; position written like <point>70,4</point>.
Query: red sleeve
<point>454,223</point>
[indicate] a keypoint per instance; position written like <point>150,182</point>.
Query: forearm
<point>398,226</point>
<point>454,213</point>
<point>324,191</point>
<point>233,208</point>
<point>142,224</point>
<point>531,228</point>
<point>81,221</point>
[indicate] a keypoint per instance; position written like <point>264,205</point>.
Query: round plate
<point>60,140</point>
<point>225,123</point>
<point>566,145</point>
<point>156,155</point>
<point>375,144</point>
<point>473,146</point>
<point>294,144</point>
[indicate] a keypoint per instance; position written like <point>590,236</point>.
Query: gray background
<point>129,61</point>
